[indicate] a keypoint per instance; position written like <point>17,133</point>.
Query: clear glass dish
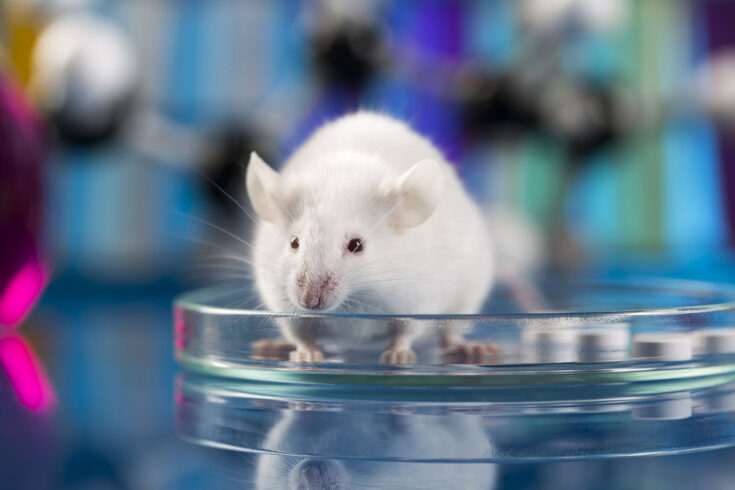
<point>618,369</point>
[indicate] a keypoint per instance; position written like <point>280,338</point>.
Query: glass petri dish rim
<point>196,300</point>
<point>207,337</point>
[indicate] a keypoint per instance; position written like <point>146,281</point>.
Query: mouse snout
<point>314,293</point>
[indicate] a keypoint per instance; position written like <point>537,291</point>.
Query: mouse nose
<point>312,299</point>
<point>314,293</point>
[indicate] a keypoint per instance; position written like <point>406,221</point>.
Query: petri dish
<point>613,369</point>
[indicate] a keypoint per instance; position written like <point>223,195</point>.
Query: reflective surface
<point>572,384</point>
<point>312,423</point>
<point>109,353</point>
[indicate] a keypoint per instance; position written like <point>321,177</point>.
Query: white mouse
<point>368,217</point>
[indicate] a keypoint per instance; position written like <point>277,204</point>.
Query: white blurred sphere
<point>715,86</point>
<point>547,16</point>
<point>85,67</point>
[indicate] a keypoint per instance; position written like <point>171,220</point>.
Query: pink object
<point>179,327</point>
<point>26,374</point>
<point>21,293</point>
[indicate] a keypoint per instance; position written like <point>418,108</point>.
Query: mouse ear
<point>418,191</point>
<point>262,183</point>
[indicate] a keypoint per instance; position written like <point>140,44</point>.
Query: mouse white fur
<point>367,216</point>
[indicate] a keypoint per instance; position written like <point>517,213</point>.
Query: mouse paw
<point>471,353</point>
<point>400,356</point>
<point>306,355</point>
<point>272,349</point>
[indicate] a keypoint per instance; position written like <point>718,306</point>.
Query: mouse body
<point>367,216</point>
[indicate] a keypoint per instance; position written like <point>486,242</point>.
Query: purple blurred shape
<point>22,275</point>
<point>721,37</point>
<point>436,28</point>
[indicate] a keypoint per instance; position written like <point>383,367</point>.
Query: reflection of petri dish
<point>528,404</point>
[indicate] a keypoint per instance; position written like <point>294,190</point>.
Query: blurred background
<point>124,125</point>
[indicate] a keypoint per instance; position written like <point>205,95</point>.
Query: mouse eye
<point>355,246</point>
<point>295,243</point>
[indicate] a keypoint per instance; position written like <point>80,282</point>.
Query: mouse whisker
<point>228,233</point>
<point>285,210</point>
<point>222,277</point>
<point>226,194</point>
<point>221,253</point>
<point>222,271</point>
<point>212,244</point>
<point>355,273</point>
<point>229,258</point>
<point>402,281</point>
<point>398,274</point>
<point>380,221</point>
<point>381,256</point>
<point>378,258</point>
<point>382,277</point>
<point>353,300</point>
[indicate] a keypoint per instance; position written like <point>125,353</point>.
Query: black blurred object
<point>347,53</point>
<point>495,106</point>
<point>78,130</point>
<point>584,115</point>
<point>225,163</point>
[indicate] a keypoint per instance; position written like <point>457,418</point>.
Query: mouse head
<point>334,228</point>
<point>317,474</point>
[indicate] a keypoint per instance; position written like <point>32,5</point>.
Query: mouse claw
<point>272,349</point>
<point>398,357</point>
<point>306,355</point>
<point>471,353</point>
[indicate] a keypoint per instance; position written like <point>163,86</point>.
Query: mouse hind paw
<point>398,357</point>
<point>306,355</point>
<point>471,353</point>
<point>272,349</point>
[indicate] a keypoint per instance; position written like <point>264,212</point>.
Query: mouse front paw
<point>471,353</point>
<point>272,349</point>
<point>398,357</point>
<point>306,355</point>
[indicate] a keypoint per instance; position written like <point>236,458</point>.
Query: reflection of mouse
<point>368,217</point>
<point>397,435</point>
